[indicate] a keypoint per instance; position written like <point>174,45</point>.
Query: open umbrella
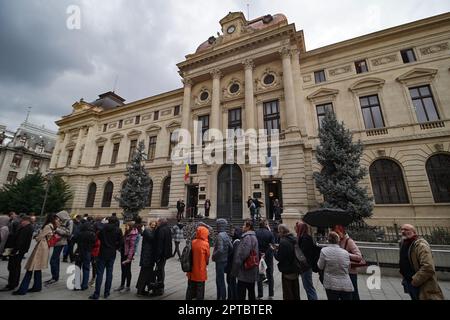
<point>327,218</point>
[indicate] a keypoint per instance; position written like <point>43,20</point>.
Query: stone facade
<point>251,64</point>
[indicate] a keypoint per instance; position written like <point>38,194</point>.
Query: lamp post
<point>48,178</point>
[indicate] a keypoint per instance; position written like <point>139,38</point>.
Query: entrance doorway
<point>192,201</point>
<point>229,192</point>
<point>273,191</point>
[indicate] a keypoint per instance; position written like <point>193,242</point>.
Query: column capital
<point>248,64</point>
<point>216,73</point>
<point>285,52</point>
<point>187,82</point>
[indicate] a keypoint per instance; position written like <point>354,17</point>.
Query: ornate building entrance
<point>229,192</point>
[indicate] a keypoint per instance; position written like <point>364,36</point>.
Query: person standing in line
<point>68,249</point>
<point>207,207</point>
<point>98,226</point>
<point>147,260</point>
<point>265,239</point>
<point>38,259</point>
<point>20,247</point>
<point>163,251</point>
<point>4,233</point>
<point>231,280</point>
<point>246,273</point>
<point>220,254</point>
<point>200,258</point>
<point>177,235</point>
<point>312,253</point>
<point>335,262</point>
<point>127,255</point>
<point>85,241</point>
<point>417,266</point>
<point>285,255</point>
<point>277,211</point>
<point>110,241</point>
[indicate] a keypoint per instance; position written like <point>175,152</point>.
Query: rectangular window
<point>176,111</point>
<point>193,169</point>
<point>408,55</point>
<point>204,122</point>
<point>424,104</point>
<point>69,157</point>
<point>234,119</point>
<point>152,148</point>
<point>105,126</point>
<point>17,160</point>
<point>99,156</point>
<point>35,163</point>
<point>320,76</point>
<point>322,109</point>
<point>271,116</point>
<point>361,66</point>
<point>138,120</point>
<point>120,124</point>
<point>12,176</point>
<point>133,145</point>
<point>371,110</point>
<point>115,153</point>
<point>156,116</point>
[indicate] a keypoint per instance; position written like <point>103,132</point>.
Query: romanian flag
<point>186,174</point>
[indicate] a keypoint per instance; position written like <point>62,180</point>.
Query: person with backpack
<point>231,280</point>
<point>177,235</point>
<point>285,255</point>
<point>200,251</point>
<point>222,248</point>
<point>265,239</point>
<point>85,241</point>
<point>68,251</point>
<point>312,253</point>
<point>246,262</point>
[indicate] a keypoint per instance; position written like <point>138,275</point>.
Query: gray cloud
<point>45,66</point>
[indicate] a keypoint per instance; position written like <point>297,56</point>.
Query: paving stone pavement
<point>176,283</point>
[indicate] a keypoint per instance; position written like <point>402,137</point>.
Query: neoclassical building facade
<point>390,88</point>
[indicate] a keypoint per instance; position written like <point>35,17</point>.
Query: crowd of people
<point>244,258</point>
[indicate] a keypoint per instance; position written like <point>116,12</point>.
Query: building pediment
<point>173,125</point>
<point>101,140</point>
<point>153,128</point>
<point>71,145</point>
<point>367,83</point>
<point>323,93</point>
<point>134,133</point>
<point>417,73</point>
<point>117,137</point>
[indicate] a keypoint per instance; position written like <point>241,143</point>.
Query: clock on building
<point>231,29</point>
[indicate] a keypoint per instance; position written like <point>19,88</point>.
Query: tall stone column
<point>57,149</point>
<point>186,111</point>
<point>90,151</point>
<point>215,104</point>
<point>64,152</point>
<point>250,109</point>
<point>301,112</point>
<point>289,91</point>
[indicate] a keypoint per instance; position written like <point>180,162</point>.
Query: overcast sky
<point>48,67</point>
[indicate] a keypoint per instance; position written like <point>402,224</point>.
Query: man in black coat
<point>163,251</point>
<point>20,246</point>
<point>265,239</point>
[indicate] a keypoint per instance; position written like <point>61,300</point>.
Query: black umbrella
<point>328,217</point>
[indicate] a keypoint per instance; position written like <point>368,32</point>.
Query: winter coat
<point>147,251</point>
<point>335,262</point>
<point>177,233</point>
<point>248,243</point>
<point>86,237</point>
<point>23,239</point>
<point>200,256</point>
<point>65,229</point>
<point>38,259</point>
<point>348,244</point>
<point>421,258</point>
<point>163,242</point>
<point>310,250</point>
<point>13,226</point>
<point>265,238</point>
<point>130,243</point>
<point>111,240</point>
<point>286,254</point>
<point>223,243</point>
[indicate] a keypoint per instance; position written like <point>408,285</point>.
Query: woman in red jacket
<point>200,259</point>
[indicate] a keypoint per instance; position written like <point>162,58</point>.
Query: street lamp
<point>47,178</point>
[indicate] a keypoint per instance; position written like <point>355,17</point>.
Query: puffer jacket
<point>421,257</point>
<point>248,243</point>
<point>223,243</point>
<point>129,243</point>
<point>200,256</point>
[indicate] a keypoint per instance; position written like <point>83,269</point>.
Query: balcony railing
<point>432,125</point>
<point>377,132</point>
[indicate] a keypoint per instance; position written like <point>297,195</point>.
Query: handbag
<point>252,260</point>
<point>53,240</point>
<point>354,263</point>
<point>300,261</point>
<point>262,266</point>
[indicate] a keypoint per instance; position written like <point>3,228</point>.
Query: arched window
<point>165,193</point>
<point>92,190</point>
<point>150,193</point>
<point>438,170</point>
<point>107,195</point>
<point>387,182</point>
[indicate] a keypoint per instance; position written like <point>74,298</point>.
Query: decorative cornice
<point>187,82</point>
<point>216,73</point>
<point>153,128</point>
<point>134,133</point>
<point>285,52</point>
<point>367,83</point>
<point>417,73</point>
<point>248,64</point>
<point>321,93</point>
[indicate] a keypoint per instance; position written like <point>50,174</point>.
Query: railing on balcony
<point>377,132</point>
<point>432,125</point>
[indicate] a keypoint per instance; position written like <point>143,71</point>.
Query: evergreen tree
<point>27,195</point>
<point>341,173</point>
<point>134,195</point>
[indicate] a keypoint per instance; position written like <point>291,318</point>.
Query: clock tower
<point>233,25</point>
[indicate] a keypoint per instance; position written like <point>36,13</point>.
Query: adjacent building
<point>390,88</point>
